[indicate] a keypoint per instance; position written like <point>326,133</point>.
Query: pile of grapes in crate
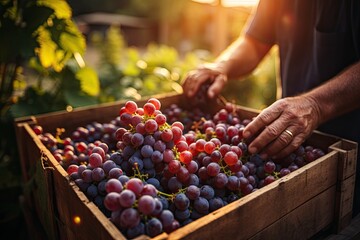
<point>152,171</point>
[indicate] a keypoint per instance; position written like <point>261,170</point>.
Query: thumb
<point>217,86</point>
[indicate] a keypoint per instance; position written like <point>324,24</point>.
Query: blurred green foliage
<point>131,73</point>
<point>39,38</point>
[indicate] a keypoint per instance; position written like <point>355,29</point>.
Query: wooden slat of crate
<point>346,182</point>
<point>301,223</point>
<point>37,180</point>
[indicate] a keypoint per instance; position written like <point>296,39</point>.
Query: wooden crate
<point>312,199</point>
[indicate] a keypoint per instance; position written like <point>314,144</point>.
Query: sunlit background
<point>230,3</point>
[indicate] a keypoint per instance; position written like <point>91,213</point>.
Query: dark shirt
<point>317,39</point>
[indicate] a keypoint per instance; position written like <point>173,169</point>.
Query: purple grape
<point>112,202</point>
<point>147,151</point>
<point>113,185</point>
<point>153,227</point>
<point>98,174</point>
<point>220,180</point>
<point>86,175</point>
<point>182,215</point>
<point>92,191</point>
<point>146,204</point>
<point>192,192</point>
<point>95,160</point>
<point>137,139</point>
<point>213,169</point>
<point>207,192</point>
<point>160,204</point>
<point>136,231</point>
<point>129,218</point>
<point>166,217</point>
<point>201,205</point>
<point>181,201</point>
<point>115,173</point>
<point>174,185</point>
<point>82,184</point>
<point>215,203</point>
<point>127,198</point>
<point>108,165</point>
<point>116,157</point>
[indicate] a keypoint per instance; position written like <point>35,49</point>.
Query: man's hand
<point>282,127</point>
<point>208,73</point>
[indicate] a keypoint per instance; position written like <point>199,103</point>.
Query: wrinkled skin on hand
<point>204,74</point>
<point>300,115</point>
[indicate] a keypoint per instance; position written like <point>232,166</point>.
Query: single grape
<point>185,157</point>
<point>181,201</point>
<point>113,185</point>
<point>149,109</point>
<point>115,172</point>
<point>129,218</point>
<point>201,205</point>
<point>213,169</point>
<point>206,191</point>
<point>130,107</point>
<point>135,185</point>
<point>95,160</point>
<point>153,227</point>
<point>137,139</point>
<point>111,201</point>
<point>127,198</point>
<point>269,167</point>
<point>146,204</point>
<point>150,190</point>
<point>192,192</point>
<point>98,174</point>
<point>230,158</point>
<point>220,180</point>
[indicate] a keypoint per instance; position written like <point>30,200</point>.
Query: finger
<point>297,141</point>
<point>287,139</point>
<point>267,134</point>
<point>193,82</point>
<point>218,84</point>
<point>264,119</point>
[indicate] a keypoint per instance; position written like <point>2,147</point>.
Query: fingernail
<point>246,134</point>
<point>252,150</point>
<point>211,94</point>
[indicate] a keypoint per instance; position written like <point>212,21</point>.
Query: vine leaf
<point>89,81</point>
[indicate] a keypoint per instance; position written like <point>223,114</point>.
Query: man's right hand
<point>206,74</point>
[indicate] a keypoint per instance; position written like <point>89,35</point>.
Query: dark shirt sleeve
<point>262,24</point>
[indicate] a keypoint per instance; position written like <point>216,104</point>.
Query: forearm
<point>339,95</point>
<point>241,57</point>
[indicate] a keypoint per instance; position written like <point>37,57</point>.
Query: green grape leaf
<point>61,7</point>
<point>47,49</point>
<point>89,81</point>
<point>72,43</point>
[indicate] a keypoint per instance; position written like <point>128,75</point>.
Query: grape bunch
<point>150,171</point>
